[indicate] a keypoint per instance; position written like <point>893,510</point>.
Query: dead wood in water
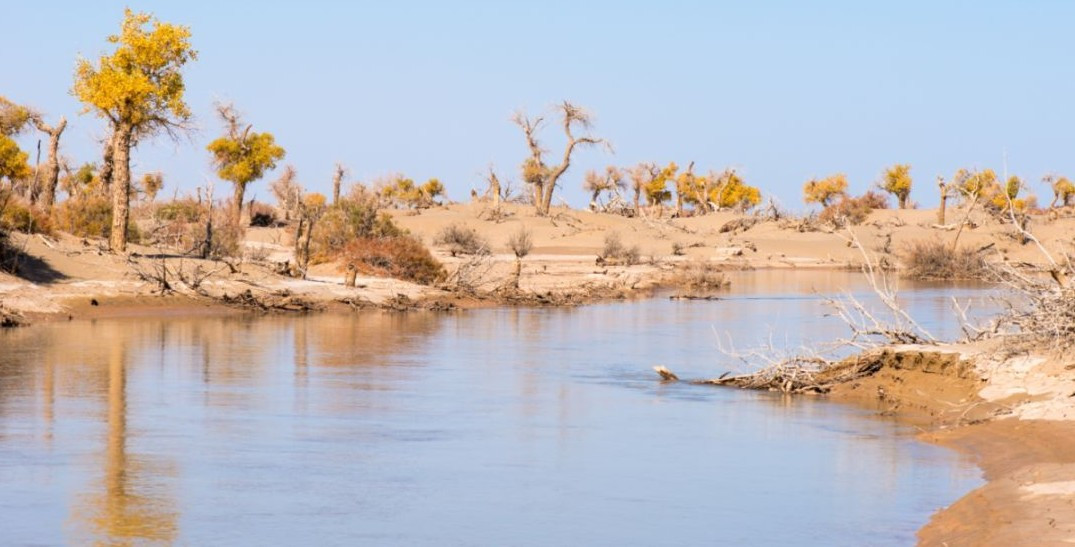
<point>666,375</point>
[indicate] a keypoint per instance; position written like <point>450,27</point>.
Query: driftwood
<point>666,375</point>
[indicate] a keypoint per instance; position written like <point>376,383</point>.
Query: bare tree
<point>52,174</point>
<point>287,191</point>
<point>641,175</point>
<point>494,188</point>
<point>544,177</point>
<point>520,243</point>
<point>337,180</point>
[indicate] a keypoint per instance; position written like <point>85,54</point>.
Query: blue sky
<point>782,91</point>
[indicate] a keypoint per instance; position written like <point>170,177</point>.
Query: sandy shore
<point>1014,414</point>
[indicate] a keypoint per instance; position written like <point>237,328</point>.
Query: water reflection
<point>500,426</point>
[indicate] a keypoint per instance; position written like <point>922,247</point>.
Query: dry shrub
<point>18,217</point>
<point>615,251</point>
<point>86,216</point>
<point>400,257</point>
<point>853,211</point>
<point>520,242</point>
<point>356,216</point>
<point>462,240</point>
<point>227,240</point>
<point>262,215</point>
<point>182,210</point>
<point>700,277</point>
<point>932,259</point>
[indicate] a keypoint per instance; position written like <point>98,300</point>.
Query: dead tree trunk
<point>944,200</point>
<point>207,245</point>
<point>107,163</point>
<point>494,189</point>
<point>337,180</point>
<point>52,175</point>
<point>349,278</point>
<point>121,187</point>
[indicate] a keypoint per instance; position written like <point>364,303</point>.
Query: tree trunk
<point>546,201</point>
<point>638,195</point>
<point>52,176</point>
<point>237,218</point>
<point>306,246</point>
<point>494,188</point>
<point>940,211</point>
<point>107,163</point>
<point>121,187</point>
<point>518,271</point>
<point>207,245</point>
<point>539,196</point>
<point>903,200</point>
<point>679,201</point>
<point>337,180</point>
<point>349,278</point>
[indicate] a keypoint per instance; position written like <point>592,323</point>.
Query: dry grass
<point>615,252</point>
<point>461,240</point>
<point>932,259</point>
<point>699,278</point>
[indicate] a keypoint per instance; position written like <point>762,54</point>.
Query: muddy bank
<point>959,398</point>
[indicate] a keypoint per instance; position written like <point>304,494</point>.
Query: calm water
<point>490,427</point>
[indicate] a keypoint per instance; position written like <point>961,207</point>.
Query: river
<point>484,427</point>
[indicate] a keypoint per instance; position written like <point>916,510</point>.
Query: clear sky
<point>782,91</point>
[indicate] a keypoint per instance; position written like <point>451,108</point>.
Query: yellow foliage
<point>656,190</point>
<point>897,181</point>
<point>824,191</point>
<point>139,84</point>
<point>736,194</point>
<point>402,191</point>
<point>244,158</point>
<point>977,184</point>
<point>1063,191</point>
<point>12,160</point>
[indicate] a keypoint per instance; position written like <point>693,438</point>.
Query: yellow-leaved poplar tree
<point>242,156</point>
<point>1063,190</point>
<point>897,181</point>
<point>13,161</point>
<point>139,90</point>
<point>826,190</point>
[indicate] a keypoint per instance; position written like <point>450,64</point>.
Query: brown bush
<point>18,217</point>
<point>400,257</point>
<point>932,259</point>
<point>615,251</point>
<point>700,277</point>
<point>86,216</point>
<point>461,240</point>
<point>182,210</point>
<point>853,211</point>
<point>263,215</point>
<point>355,215</point>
